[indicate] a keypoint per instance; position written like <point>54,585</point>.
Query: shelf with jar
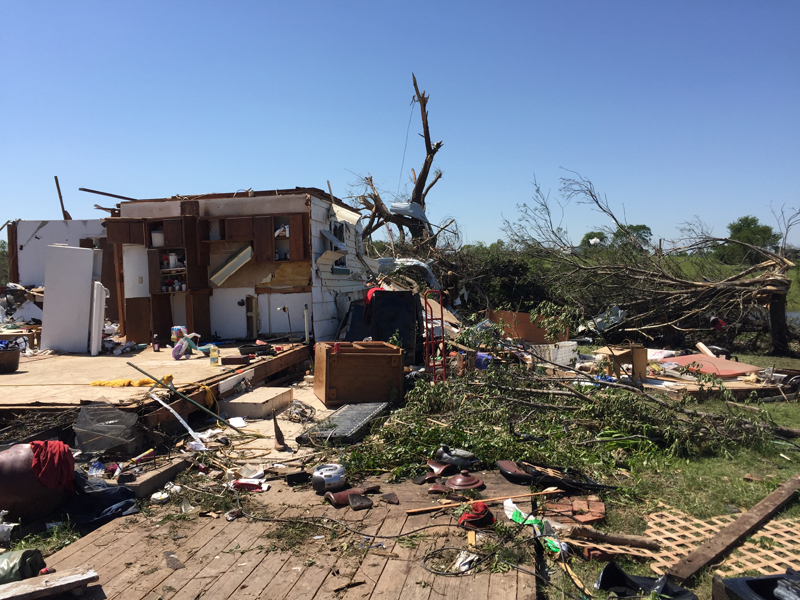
<point>167,270</point>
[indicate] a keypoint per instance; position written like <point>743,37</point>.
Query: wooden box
<point>359,372</point>
<point>630,354</point>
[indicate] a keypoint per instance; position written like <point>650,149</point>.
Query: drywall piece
<point>712,550</point>
<point>33,238</point>
<point>233,264</point>
<point>228,384</point>
<point>68,298</point>
<point>258,404</point>
<point>97,317</point>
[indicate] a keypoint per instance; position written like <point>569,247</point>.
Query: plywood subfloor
<point>64,380</point>
<point>236,560</point>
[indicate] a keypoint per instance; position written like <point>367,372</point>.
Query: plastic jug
<point>213,354</point>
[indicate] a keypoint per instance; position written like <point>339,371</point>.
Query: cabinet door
<point>118,232</point>
<point>239,229</point>
<point>297,244</point>
<point>137,233</point>
<point>263,239</point>
<point>154,270</point>
<point>173,233</point>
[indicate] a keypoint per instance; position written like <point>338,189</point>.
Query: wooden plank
<point>120,285</point>
<point>374,563</point>
<point>138,577</point>
<point>221,574</point>
<point>704,349</point>
<point>415,511</point>
<point>502,586</point>
<point>48,585</point>
<point>713,549</point>
<point>284,579</point>
<point>474,586</point>
<point>102,550</point>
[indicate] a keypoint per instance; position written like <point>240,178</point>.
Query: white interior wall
<point>271,320</point>
<point>150,210</point>
<point>256,205</point>
<point>36,236</point>
<point>228,319</point>
<point>134,266</point>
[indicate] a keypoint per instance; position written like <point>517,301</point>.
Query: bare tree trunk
<point>779,330</point>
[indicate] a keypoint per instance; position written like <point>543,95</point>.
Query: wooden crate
<point>360,372</point>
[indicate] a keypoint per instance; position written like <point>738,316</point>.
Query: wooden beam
<point>417,511</point>
<point>47,586</point>
<point>704,349</point>
<point>713,549</point>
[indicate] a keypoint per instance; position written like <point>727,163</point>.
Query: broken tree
<point>665,288</point>
<point>371,199</point>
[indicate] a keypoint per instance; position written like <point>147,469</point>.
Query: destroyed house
<point>237,265</point>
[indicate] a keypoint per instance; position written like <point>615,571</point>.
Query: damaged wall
<point>275,275</point>
<point>33,237</point>
<point>333,292</point>
<point>226,207</point>
<point>272,321</point>
<point>228,319</point>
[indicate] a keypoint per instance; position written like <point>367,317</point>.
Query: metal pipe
<point>305,322</point>
<point>200,406</point>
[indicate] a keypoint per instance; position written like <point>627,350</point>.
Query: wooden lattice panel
<point>772,549</point>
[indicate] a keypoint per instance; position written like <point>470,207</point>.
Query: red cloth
<point>371,292</point>
<point>54,465</point>
<point>479,515</point>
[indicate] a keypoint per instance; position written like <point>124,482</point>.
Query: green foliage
<point>641,234</point>
<point>480,416</point>
<point>500,277</point>
<point>58,537</point>
<point>555,320</point>
<point>586,241</point>
<point>750,231</point>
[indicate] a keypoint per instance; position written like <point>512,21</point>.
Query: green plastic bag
<point>20,564</point>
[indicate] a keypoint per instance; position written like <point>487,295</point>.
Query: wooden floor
<point>235,560</point>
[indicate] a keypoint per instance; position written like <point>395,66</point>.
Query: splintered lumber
<point>416,511</point>
<point>47,586</point>
<point>704,349</point>
<point>713,549</point>
<point>584,532</point>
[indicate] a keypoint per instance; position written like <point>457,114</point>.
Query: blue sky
<point>672,109</point>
